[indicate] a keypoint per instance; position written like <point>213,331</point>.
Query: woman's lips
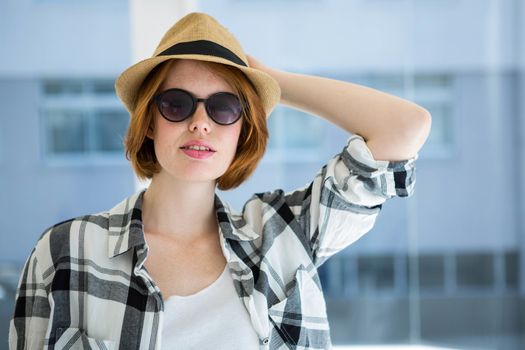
<point>197,154</point>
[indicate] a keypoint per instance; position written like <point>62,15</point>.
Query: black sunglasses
<point>176,105</point>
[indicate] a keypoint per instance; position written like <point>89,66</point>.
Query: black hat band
<point>203,47</point>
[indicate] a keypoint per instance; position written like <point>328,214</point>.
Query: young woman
<point>173,266</point>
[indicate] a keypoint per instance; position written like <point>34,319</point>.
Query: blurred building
<point>443,266</point>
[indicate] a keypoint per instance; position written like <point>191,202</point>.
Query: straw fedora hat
<point>201,37</point>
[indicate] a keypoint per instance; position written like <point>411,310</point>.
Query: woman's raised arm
<point>393,128</point>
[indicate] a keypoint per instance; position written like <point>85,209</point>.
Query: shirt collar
<point>126,229</point>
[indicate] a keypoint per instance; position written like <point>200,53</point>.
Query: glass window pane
<point>431,81</point>
<point>109,129</point>
<point>302,130</point>
<point>431,271</point>
<point>512,269</point>
<point>273,125</point>
<point>66,131</point>
<point>475,270</point>
<point>60,87</point>
<point>375,272</point>
<point>103,87</point>
<point>441,131</point>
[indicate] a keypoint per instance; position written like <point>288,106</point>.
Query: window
<point>2,138</point>
<point>295,136</point>
<point>512,270</point>
<point>475,270</point>
<point>434,92</point>
<point>376,273</point>
<point>431,272</point>
<point>82,120</point>
<point>346,275</point>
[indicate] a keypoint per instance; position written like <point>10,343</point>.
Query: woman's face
<point>169,137</point>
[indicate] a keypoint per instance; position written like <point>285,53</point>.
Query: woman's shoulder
<point>76,224</point>
<point>58,240</point>
<point>96,221</point>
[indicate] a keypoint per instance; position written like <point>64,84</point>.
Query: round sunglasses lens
<point>224,108</point>
<point>175,105</point>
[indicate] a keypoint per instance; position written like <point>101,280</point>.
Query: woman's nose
<point>200,119</point>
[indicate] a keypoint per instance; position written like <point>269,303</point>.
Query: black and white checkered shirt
<point>84,283</point>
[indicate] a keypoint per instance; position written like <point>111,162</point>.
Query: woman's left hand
<point>254,63</point>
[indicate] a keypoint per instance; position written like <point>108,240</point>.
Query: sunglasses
<point>176,105</point>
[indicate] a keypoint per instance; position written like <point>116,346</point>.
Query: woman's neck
<point>180,209</point>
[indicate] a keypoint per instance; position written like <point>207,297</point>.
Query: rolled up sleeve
<point>341,204</point>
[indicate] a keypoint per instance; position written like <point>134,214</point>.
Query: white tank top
<point>213,318</point>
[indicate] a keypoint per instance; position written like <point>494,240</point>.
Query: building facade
<point>431,265</point>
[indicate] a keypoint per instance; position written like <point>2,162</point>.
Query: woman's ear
<point>149,134</point>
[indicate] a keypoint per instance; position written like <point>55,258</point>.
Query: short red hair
<point>252,139</point>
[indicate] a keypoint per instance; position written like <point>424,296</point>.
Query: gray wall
<point>52,39</point>
<point>41,37</point>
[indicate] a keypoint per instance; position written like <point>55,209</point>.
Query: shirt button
<point>265,340</point>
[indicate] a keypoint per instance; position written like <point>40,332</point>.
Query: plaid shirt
<point>84,283</point>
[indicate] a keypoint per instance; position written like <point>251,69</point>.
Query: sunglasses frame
<point>157,99</point>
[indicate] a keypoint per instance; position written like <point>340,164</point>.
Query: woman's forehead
<point>195,77</point>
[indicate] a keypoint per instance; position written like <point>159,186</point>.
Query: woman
<point>173,266</point>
